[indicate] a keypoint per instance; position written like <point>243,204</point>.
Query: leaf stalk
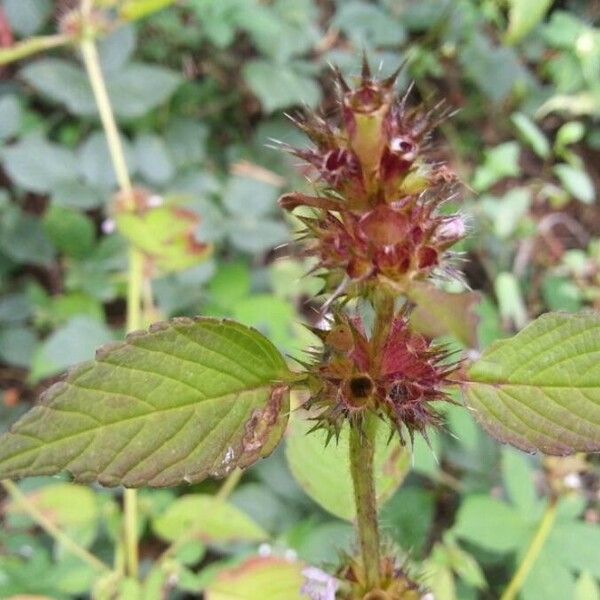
<point>135,276</point>
<point>529,558</point>
<point>25,504</point>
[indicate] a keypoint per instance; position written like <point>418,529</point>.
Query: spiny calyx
<point>396,377</point>
<point>376,215</point>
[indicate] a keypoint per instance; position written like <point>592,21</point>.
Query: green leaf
<point>166,233</point>
<point>131,10</point>
<point>62,82</point>
<point>23,238</point>
<point>138,88</point>
<point>321,544</point>
<point>518,481</point>
<point>368,24</point>
<point>71,232</point>
<point>153,160</point>
<point>532,134</point>
<point>68,345</point>
<point>279,86</point>
<point>569,133</point>
<point>27,17</point>
<point>508,213</point>
<point>78,195</point>
<point>577,545</point>
<point>439,579</point>
<point>549,578</point>
<point>439,313</point>
<point>561,293</point>
<point>38,165</point>
<point>71,507</point>
<point>230,285</point>
<point>188,399</point>
<point>523,16</point>
<point>496,71</point>
<point>186,141</point>
<point>95,164</point>
<point>250,196</point>
<point>491,524</point>
<point>187,517</point>
<point>253,234</point>
<point>500,162</point>
<point>577,182</point>
<point>134,90</point>
<point>510,299</point>
<point>324,472</point>
<point>540,390</point>
<point>587,588</point>
<point>264,578</point>
<point>272,316</point>
<point>117,48</point>
<point>264,507</point>
<point>10,116</point>
<point>17,345</point>
<point>464,565</point>
<point>408,517</point>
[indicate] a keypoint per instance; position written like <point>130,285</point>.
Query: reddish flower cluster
<point>376,213</point>
<point>396,378</point>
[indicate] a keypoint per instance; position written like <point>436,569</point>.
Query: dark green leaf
<point>71,232</point>
<point>38,165</point>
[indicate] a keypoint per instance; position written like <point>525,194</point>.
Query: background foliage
<point>199,89</point>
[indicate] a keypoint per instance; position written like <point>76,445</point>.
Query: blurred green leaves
<point>502,527</point>
<point>134,88</point>
<point>324,473</point>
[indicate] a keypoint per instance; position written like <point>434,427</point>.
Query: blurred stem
<point>229,484</point>
<point>25,504</point>
<point>31,46</point>
<point>535,547</point>
<point>221,496</point>
<point>136,259</point>
<point>362,452</point>
<point>115,147</point>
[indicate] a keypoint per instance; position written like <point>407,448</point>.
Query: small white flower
<point>108,226</point>
<point>318,585</point>
<point>155,201</point>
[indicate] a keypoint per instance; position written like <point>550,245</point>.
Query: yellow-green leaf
<point>324,472</point>
<point>264,578</point>
<point>540,390</point>
<point>131,10</point>
<point>167,235</point>
<point>207,519</point>
<point>188,399</point>
<point>523,16</point>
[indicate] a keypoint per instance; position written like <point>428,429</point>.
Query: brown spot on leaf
<point>262,421</point>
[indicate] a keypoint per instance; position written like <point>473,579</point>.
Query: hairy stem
<point>384,306</point>
<point>362,452</point>
<point>136,260</point>
<point>535,547</point>
<point>25,504</point>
